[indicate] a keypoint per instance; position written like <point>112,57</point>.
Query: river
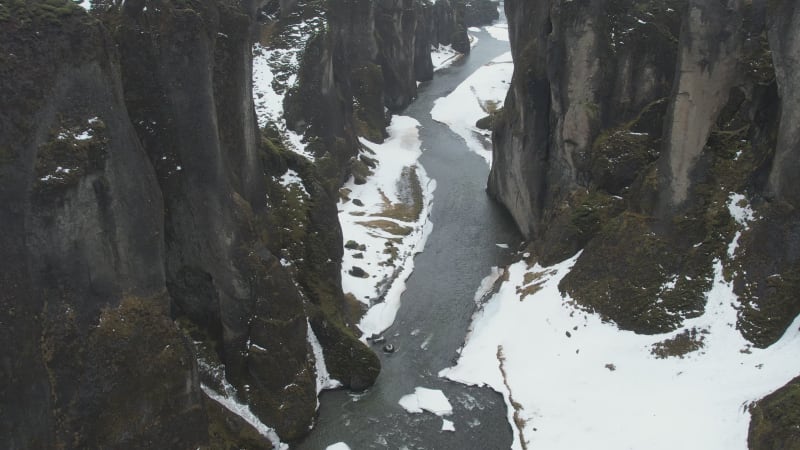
<point>438,304</point>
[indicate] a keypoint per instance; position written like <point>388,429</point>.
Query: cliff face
<point>627,129</point>
<point>84,295</point>
<point>149,250</point>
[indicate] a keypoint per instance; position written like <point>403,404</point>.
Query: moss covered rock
<point>775,419</point>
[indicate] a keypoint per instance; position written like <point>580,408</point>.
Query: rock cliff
<point>627,130</point>
<point>149,250</point>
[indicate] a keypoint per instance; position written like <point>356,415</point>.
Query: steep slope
<point>628,129</point>
<point>165,251</point>
<point>84,289</point>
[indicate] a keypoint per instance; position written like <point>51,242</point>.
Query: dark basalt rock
<point>624,132</point>
<point>775,419</point>
<point>480,12</point>
<point>83,299</point>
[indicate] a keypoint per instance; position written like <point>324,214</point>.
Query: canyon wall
<point>627,130</point>
<point>149,252</point>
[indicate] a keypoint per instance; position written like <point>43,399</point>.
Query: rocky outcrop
<point>625,134</point>
<point>480,12</point>
<point>775,418</point>
<point>148,248</point>
<point>579,168</point>
<point>374,52</point>
<point>84,298</point>
<point>135,185</point>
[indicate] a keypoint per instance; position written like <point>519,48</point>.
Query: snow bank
<point>480,94</point>
<point>498,31</point>
<point>324,380</point>
<point>424,399</point>
<point>583,383</point>
<point>384,241</point>
<point>274,72</point>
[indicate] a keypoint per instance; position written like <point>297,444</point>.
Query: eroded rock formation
<point>626,130</point>
<point>145,235</point>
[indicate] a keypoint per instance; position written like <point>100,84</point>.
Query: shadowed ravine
<point>438,304</point>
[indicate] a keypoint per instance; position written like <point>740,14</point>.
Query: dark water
<point>438,304</point>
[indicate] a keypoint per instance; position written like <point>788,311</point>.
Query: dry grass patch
<point>688,341</point>
<point>533,283</point>
<point>409,192</point>
<point>388,226</point>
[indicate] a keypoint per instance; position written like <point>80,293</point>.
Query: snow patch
<point>479,95</point>
<point>324,380</point>
<point>601,387</point>
<point>245,413</point>
<point>424,399</point>
<point>386,242</point>
<point>498,31</point>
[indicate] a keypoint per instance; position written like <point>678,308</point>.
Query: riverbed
<point>438,304</point>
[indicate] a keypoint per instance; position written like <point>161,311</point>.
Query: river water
<point>438,304</point>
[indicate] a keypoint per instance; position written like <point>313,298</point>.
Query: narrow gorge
<point>270,224</point>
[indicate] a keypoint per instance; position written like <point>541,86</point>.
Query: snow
<point>739,209</point>
<point>338,446</point>
<point>243,411</point>
<point>498,31</point>
<point>292,178</point>
<point>487,284</point>
<point>424,399</point>
<point>386,274</point>
<point>602,388</point>
<point>742,213</point>
<point>448,425</point>
<point>324,380</point>
<point>274,72</point>
<point>484,91</point>
<point>443,56</point>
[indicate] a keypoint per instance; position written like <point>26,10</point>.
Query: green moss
<point>573,225</point>
<point>775,419</point>
<point>229,431</point>
<point>52,12</point>
<point>620,154</point>
<point>360,171</point>
<point>766,275</point>
<point>74,149</point>
<point>367,83</point>
<point>621,273</point>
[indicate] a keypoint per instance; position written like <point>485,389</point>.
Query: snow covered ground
<point>385,223</point>
<point>274,72</point>
<point>572,381</point>
<point>479,95</point>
